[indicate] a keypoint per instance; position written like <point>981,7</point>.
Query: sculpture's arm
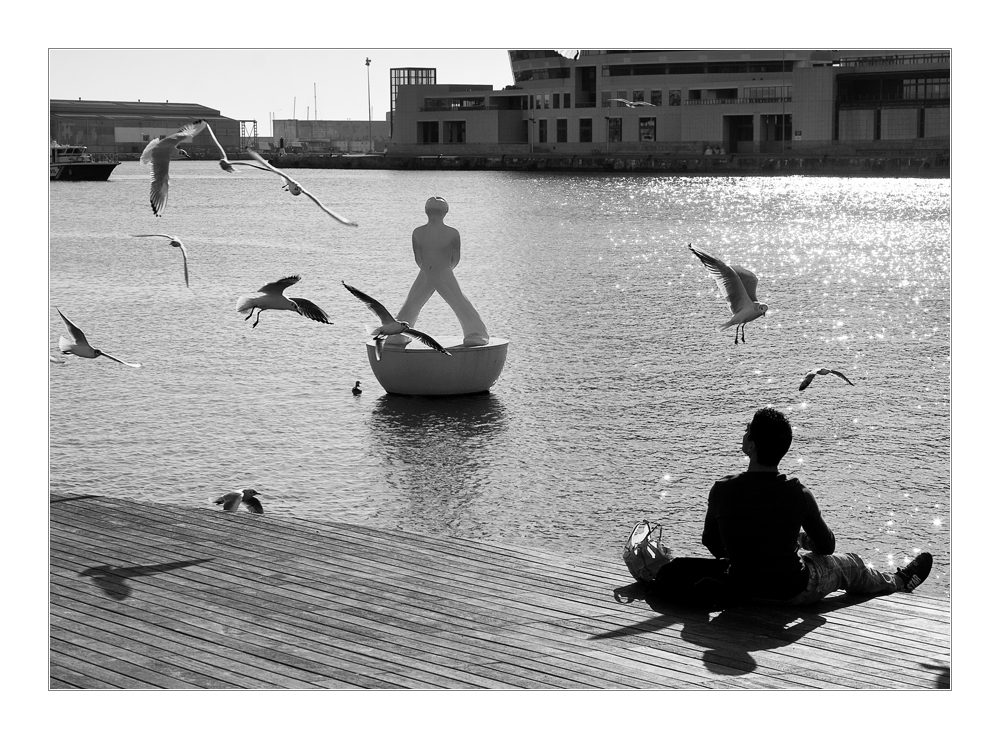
<point>418,252</point>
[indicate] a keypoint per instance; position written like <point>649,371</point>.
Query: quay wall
<point>931,166</point>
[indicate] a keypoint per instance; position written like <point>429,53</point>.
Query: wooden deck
<point>159,596</point>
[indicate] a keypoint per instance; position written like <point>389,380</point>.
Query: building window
<point>546,101</point>
<point>454,132</point>
<point>144,136</point>
<point>638,96</point>
<point>605,98</point>
<point>543,131</point>
<point>538,100</point>
<point>561,130</point>
<point>674,97</point>
<point>614,129</point>
<point>620,94</point>
<point>555,100</point>
<point>586,130</point>
<point>566,100</point>
<point>647,129</point>
<point>427,132</point>
<point>656,98</point>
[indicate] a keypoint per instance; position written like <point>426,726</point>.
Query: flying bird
<point>738,285</point>
<point>80,346</point>
<point>632,103</point>
<point>296,189</point>
<point>175,242</point>
<point>357,388</point>
<point>271,298</point>
<point>810,376</point>
<point>246,496</point>
<point>390,325</point>
<point>157,154</point>
<point>225,163</point>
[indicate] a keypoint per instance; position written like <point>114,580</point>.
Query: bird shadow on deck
<point>113,581</point>
<point>728,635</point>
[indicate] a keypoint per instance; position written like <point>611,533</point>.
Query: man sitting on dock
<point>755,525</point>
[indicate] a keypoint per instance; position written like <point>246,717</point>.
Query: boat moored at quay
<point>68,162</point>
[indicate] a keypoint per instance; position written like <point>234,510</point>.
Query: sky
<point>248,84</point>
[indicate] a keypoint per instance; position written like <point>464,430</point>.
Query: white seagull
<point>246,496</point>
<point>80,346</point>
<point>174,241</point>
<point>225,163</point>
<point>271,298</point>
<point>390,325</point>
<point>296,189</point>
<point>810,376</point>
<point>738,285</point>
<point>157,153</point>
<point>632,103</point>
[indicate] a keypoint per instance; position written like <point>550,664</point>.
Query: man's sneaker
<point>915,572</point>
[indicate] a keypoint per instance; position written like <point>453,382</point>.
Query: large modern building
<point>664,101</point>
<point>124,128</point>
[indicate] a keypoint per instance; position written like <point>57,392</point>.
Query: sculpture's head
<point>436,205</point>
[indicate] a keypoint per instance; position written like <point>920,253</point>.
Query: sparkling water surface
<point>620,399</point>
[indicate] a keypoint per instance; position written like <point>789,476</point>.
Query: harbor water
<point>620,400</point>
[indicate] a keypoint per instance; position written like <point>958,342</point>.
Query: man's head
<point>436,206</point>
<point>768,436</point>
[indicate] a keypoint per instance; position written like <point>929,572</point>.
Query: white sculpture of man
<point>436,250</point>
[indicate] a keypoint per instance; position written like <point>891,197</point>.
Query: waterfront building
<point>803,102</point>
<point>345,137</point>
<point>124,128</point>
<point>399,76</point>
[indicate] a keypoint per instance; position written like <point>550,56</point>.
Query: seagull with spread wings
<point>270,297</point>
<point>246,496</point>
<point>810,376</point>
<point>632,103</point>
<point>80,346</point>
<point>175,242</point>
<point>390,325</point>
<point>738,286</point>
<point>157,155</point>
<point>296,189</point>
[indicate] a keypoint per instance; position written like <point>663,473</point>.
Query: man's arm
<point>818,537</point>
<point>711,536</point>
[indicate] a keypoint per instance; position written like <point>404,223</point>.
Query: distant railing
<point>878,61</point>
<point>446,108</point>
<point>737,101</point>
<point>586,105</point>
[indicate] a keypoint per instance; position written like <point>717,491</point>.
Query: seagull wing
<point>842,376</point>
<point>810,376</point>
<point>147,154</point>
<point>749,280</point>
<point>229,501</point>
<point>159,185</point>
<point>426,340</point>
<point>184,254</point>
<point>729,282</point>
<point>248,164</point>
<point>217,144</point>
<point>345,221</point>
<point>253,504</point>
<point>309,309</point>
<point>116,359</point>
<point>266,163</point>
<point>373,305</point>
<point>189,132</point>
<point>76,333</point>
<point>278,287</point>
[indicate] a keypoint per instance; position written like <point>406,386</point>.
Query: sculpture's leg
<point>472,325</point>
<point>420,293</point>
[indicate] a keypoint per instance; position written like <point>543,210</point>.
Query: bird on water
<point>357,388</point>
<point>80,346</point>
<point>810,376</point>
<point>157,154</point>
<point>390,325</point>
<point>296,189</point>
<point>270,297</point>
<point>175,242</point>
<point>246,496</point>
<point>738,286</point>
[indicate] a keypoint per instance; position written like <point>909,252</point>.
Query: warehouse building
<point>804,102</point>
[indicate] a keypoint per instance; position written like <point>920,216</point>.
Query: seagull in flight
<point>390,325</point>
<point>80,346</point>
<point>271,298</point>
<point>174,241</point>
<point>246,496</point>
<point>296,189</point>
<point>225,163</point>
<point>738,286</point>
<point>157,154</point>
<point>632,103</point>
<point>810,376</point>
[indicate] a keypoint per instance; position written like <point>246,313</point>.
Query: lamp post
<point>368,63</point>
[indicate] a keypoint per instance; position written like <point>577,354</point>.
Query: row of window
<point>647,130</point>
<point>543,100</point>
